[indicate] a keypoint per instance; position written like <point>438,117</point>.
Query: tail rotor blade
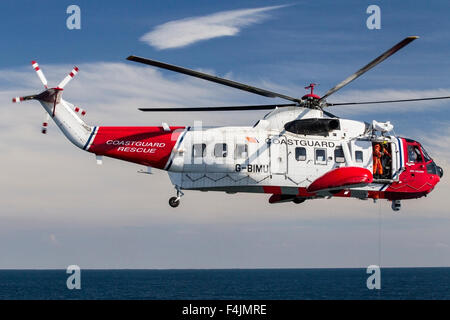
<point>79,111</point>
<point>17,99</point>
<point>45,123</point>
<point>25,98</point>
<point>39,73</point>
<point>69,77</point>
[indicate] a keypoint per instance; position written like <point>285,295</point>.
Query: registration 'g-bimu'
<point>297,152</point>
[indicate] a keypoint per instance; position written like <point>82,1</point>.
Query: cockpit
<point>418,155</point>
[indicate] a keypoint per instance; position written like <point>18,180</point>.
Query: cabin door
<point>278,154</point>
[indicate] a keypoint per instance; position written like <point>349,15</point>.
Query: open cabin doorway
<point>382,160</point>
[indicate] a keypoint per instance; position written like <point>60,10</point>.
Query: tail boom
<point>149,146</point>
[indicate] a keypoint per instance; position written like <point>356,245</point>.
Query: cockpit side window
<point>414,154</point>
<point>426,155</point>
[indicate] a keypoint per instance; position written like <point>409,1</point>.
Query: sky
<point>59,208</point>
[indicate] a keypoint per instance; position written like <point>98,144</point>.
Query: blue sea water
<point>271,284</point>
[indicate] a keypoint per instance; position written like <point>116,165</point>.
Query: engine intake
<point>313,126</point>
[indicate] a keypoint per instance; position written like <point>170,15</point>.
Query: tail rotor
<point>50,93</point>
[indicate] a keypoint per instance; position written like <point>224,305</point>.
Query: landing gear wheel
<point>174,202</point>
<point>396,205</point>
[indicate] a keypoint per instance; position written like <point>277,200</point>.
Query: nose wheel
<point>175,201</point>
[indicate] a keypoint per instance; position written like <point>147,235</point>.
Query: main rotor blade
<point>226,108</point>
<point>329,114</point>
<point>370,65</point>
<point>204,76</point>
<point>386,101</point>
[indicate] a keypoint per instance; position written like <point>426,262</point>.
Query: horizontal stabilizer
<point>345,177</point>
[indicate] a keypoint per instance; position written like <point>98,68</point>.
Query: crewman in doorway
<point>378,151</point>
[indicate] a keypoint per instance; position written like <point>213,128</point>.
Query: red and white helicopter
<point>297,152</point>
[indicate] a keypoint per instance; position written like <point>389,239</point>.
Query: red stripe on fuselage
<point>149,146</point>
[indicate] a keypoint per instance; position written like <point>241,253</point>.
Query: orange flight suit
<point>377,167</point>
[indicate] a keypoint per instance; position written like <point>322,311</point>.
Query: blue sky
<point>282,49</point>
<point>321,41</point>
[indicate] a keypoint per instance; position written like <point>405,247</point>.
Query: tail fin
<point>64,114</point>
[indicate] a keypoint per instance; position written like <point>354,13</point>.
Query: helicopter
<point>298,151</point>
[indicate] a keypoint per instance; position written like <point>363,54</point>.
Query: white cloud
<point>180,33</point>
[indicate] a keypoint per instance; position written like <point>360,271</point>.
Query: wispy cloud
<point>180,33</point>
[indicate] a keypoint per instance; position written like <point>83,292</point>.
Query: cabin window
<point>339,155</point>
<point>321,156</point>
<point>241,151</point>
<point>300,154</point>
<point>359,156</point>
<point>198,150</point>
<point>414,154</point>
<point>220,150</point>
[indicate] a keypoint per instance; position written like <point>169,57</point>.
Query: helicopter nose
<point>440,171</point>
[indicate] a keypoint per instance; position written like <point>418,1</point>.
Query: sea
<point>227,284</point>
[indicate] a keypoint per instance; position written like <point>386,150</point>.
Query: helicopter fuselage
<point>267,158</point>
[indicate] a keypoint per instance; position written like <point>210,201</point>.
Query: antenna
<point>311,86</point>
